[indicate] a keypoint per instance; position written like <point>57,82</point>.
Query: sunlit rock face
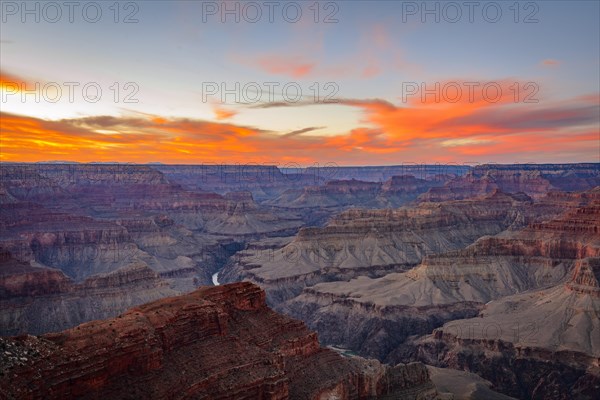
<point>541,344</point>
<point>386,311</point>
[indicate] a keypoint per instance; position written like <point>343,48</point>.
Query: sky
<point>305,82</point>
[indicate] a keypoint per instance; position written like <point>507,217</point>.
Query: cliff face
<point>542,344</point>
<point>219,343</point>
<point>384,173</point>
<point>268,182</point>
<point>263,181</point>
<point>35,299</point>
<point>376,316</point>
<point>338,194</point>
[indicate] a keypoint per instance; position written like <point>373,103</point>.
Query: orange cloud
<point>474,112</point>
<point>159,139</point>
<point>222,113</point>
<point>472,128</point>
<point>12,82</point>
<point>476,126</point>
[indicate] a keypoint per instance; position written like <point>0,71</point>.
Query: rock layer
<point>376,316</point>
<point>542,344</point>
<point>35,299</point>
<point>218,343</point>
<point>374,243</point>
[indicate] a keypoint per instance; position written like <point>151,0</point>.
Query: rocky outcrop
<point>563,177</point>
<point>219,343</point>
<point>452,384</point>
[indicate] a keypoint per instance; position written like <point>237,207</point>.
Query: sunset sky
<point>161,81</point>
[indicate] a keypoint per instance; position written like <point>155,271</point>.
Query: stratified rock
<point>263,181</point>
<point>373,243</point>
<point>215,343</point>
<point>35,299</point>
<point>376,316</point>
<point>535,180</point>
<point>340,194</point>
<point>84,221</point>
<point>542,344</point>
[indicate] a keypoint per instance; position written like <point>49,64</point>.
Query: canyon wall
<point>218,343</point>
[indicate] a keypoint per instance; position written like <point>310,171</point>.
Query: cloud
<point>11,82</point>
<point>301,131</point>
<point>222,113</point>
<point>372,56</point>
<point>549,62</point>
<point>417,130</point>
<point>464,142</point>
<point>172,140</point>
<point>294,67</point>
<point>478,127</point>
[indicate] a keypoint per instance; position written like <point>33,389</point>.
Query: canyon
<point>436,274</point>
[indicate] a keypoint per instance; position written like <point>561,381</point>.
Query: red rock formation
<point>218,343</point>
